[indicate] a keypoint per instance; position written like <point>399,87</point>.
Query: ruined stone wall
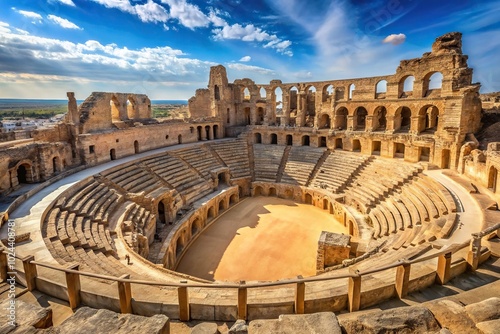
<point>483,166</point>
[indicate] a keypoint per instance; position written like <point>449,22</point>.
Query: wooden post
<point>3,265</point>
<point>443,268</point>
<point>30,272</point>
<point>74,287</point>
<point>354,293</point>
<point>474,253</point>
<point>402,279</point>
<point>125,294</point>
<point>242,301</point>
<point>182,294</point>
<point>300,296</point>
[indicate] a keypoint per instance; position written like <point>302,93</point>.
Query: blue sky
<point>164,48</point>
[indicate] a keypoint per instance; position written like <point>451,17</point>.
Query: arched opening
<point>424,153</point>
<point>338,144</point>
<point>246,121</point>
<point>310,105</point>
<point>278,100</point>
<point>221,178</point>
<point>263,93</point>
<point>200,132</point>
<point>325,204</point>
<point>324,121</point>
<point>406,86</point>
<point>258,138</point>
<point>179,139</point>
<point>55,165</point>
<point>305,141</point>
<point>352,87</point>
<point>272,191</point>
<point>493,179</point>
<point>308,199</point>
<point>322,141</point>
<point>115,111</point>
<point>274,139</point>
<point>360,118</point>
<point>289,140</point>
<point>293,99</point>
<point>246,94</point>
<point>112,154</point>
<point>432,84</point>
<point>210,213</point>
<point>402,119</point>
<point>216,132</point>
<point>341,119</point>
<point>428,119</point>
<point>179,246</point>
<point>380,119</point>
<point>356,145</point>
<point>131,108</point>
<point>222,206</point>
<point>207,132</point>
<point>195,226</point>
<point>22,173</point>
<point>258,191</point>
<point>161,213</point>
<point>260,116</point>
<point>136,146</point>
<point>327,93</point>
<point>381,89</point>
<point>330,211</point>
<point>216,93</point>
<point>233,199</point>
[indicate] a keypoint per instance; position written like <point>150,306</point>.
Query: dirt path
<point>262,238</point>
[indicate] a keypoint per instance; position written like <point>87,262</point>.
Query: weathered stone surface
<point>24,329</point>
<point>205,328</point>
<point>415,319</point>
<point>88,320</point>
<point>489,327</point>
<point>317,323</point>
<point>445,331</point>
<point>28,314</point>
<point>452,315</point>
<point>488,309</point>
<point>239,327</point>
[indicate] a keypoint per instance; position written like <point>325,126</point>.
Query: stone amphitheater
<point>106,205</point>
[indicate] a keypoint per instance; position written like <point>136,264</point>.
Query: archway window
<point>289,140</point>
<point>406,86</point>
<point>263,93</point>
<point>293,98</point>
<point>22,174</point>
<point>260,116</point>
<point>278,99</point>
<point>258,138</point>
<point>327,93</point>
<point>136,146</point>
<point>216,93</point>
<point>360,118</point>
<point>356,145</point>
<point>207,132</point>
<point>115,112</point>
<point>379,119</point>
<point>381,89</point>
<point>352,87</point>
<point>179,139</point>
<point>274,139</point>
<point>324,121</point>
<point>305,141</point>
<point>341,119</point>
<point>246,94</point>
<point>200,132</point>
<point>131,108</point>
<point>311,101</point>
<point>112,154</point>
<point>246,121</point>
<point>322,141</point>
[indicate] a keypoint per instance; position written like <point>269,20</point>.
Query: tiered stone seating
<point>234,153</point>
<point>179,175</point>
<point>378,179</point>
<point>267,159</point>
<point>133,179</point>
<point>300,164</point>
<point>201,158</point>
<point>138,215</point>
<point>337,170</point>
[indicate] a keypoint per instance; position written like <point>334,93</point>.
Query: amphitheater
<point>111,208</point>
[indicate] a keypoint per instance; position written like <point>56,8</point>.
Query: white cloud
<point>395,39</point>
<point>147,12</point>
<point>37,18</point>
<point>189,15</point>
<point>4,27</point>
<point>63,22</point>
<point>66,2</point>
<point>250,68</point>
<point>245,59</point>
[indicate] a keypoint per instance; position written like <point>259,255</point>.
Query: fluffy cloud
<point>188,15</point>
<point>66,2</point>
<point>245,59</point>
<point>63,22</point>
<point>395,39</point>
<point>147,12</point>
<point>250,68</point>
<point>37,18</point>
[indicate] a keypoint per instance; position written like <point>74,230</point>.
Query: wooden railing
<point>124,283</point>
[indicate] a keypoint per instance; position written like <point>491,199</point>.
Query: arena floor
<point>261,238</point>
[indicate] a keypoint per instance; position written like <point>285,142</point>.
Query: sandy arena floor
<point>262,238</point>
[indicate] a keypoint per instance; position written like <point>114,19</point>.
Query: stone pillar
<point>30,272</point>
<point>402,280</point>
<point>125,295</point>
<point>474,253</point>
<point>74,288</point>
<point>389,124</point>
<point>183,298</point>
<point>242,301</point>
<point>354,293</point>
<point>369,123</point>
<point>443,269</point>
<point>350,122</point>
<point>300,296</point>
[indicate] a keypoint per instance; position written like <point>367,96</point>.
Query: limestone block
<point>24,329</point>
<point>403,320</point>
<point>489,327</point>
<point>316,323</point>
<point>88,320</point>
<point>452,315</point>
<point>28,314</point>
<point>239,327</point>
<point>485,310</point>
<point>205,328</point>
